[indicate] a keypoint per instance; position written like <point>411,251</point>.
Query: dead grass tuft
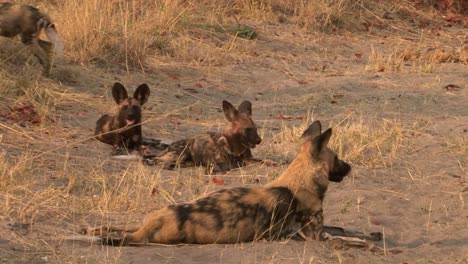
<point>361,141</point>
<point>369,143</point>
<point>128,33</point>
<point>380,62</point>
<point>408,59</point>
<point>135,34</point>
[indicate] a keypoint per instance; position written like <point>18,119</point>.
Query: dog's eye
<point>249,130</point>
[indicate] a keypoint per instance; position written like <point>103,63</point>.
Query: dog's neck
<point>234,145</point>
<point>304,174</point>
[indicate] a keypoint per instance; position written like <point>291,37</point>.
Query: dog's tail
<point>176,151</point>
<point>51,32</point>
<point>52,35</point>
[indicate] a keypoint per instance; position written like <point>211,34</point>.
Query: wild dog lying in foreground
<point>123,129</point>
<point>290,205</point>
<point>221,151</point>
<point>28,21</point>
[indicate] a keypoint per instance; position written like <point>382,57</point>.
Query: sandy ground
<point>410,134</point>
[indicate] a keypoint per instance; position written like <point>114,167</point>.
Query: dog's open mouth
<point>336,178</point>
<point>130,122</point>
<point>249,145</point>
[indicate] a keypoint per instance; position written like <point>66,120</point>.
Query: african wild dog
<point>28,21</point>
<point>290,205</point>
<point>123,130</point>
<point>222,151</point>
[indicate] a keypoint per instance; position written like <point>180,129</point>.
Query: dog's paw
<point>112,241</point>
<point>86,231</point>
<point>145,151</point>
<point>303,218</point>
<point>270,163</point>
<point>149,161</point>
<point>169,166</point>
<point>376,236</point>
<point>325,236</point>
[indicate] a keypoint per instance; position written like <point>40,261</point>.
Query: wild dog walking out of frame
<point>222,151</point>
<point>123,129</point>
<point>28,21</point>
<point>290,205</point>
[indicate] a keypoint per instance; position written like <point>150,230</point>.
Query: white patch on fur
<point>84,238</point>
<point>126,157</point>
<point>222,141</point>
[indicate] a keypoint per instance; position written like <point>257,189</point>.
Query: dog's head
<point>316,143</point>
<point>130,108</point>
<point>242,133</point>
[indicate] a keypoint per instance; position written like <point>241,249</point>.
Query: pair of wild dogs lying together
<point>221,151</point>
<point>290,206</point>
<point>28,22</point>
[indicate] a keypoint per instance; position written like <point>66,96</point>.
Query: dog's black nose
<point>259,140</point>
<point>340,171</point>
<point>132,116</point>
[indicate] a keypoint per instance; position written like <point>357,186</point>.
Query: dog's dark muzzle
<point>253,141</point>
<point>339,172</point>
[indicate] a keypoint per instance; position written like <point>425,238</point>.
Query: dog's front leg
<point>312,225</point>
<point>341,232</point>
<point>340,237</point>
<point>248,159</point>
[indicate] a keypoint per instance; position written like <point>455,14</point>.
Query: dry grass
<point>137,34</point>
<point>380,62</point>
<point>459,144</point>
<point>363,142</point>
<point>413,59</point>
<point>132,33</point>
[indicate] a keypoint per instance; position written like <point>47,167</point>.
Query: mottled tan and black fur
<point>28,22</point>
<point>289,205</point>
<point>123,129</point>
<point>222,151</point>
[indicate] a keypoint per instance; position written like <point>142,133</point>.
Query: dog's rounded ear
<point>142,93</point>
<point>245,107</point>
<point>229,111</point>
<point>314,130</point>
<point>119,93</point>
<point>320,142</point>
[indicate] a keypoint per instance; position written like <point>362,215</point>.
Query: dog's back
<point>28,22</point>
<point>16,18</point>
<point>206,149</point>
<point>226,216</point>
